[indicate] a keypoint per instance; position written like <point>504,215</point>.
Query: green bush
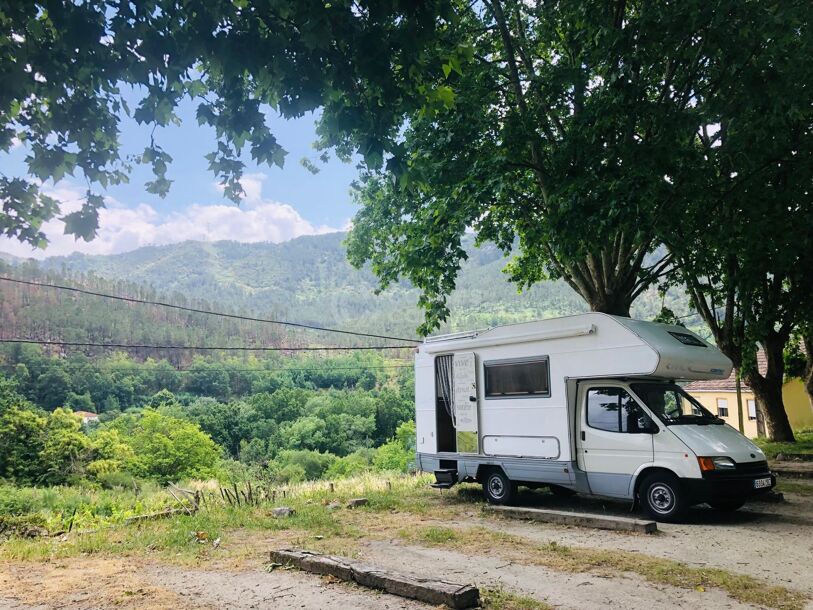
<point>300,465</point>
<point>15,501</point>
<point>166,448</point>
<point>399,452</point>
<point>356,463</point>
<point>117,480</point>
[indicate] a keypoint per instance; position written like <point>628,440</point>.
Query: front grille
<point>744,470</point>
<point>752,467</point>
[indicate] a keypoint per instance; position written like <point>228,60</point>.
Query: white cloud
<point>252,187</point>
<point>123,228</point>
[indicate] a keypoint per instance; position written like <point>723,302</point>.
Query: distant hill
<point>309,280</point>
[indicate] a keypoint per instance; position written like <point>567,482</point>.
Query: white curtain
<point>445,382</point>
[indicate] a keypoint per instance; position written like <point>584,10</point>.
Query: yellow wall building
<point>720,397</point>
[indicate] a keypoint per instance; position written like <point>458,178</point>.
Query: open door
<point>466,413</point>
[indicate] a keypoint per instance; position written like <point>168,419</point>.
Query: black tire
<point>727,506</point>
<point>663,498</point>
<point>498,488</point>
<point>561,492</point>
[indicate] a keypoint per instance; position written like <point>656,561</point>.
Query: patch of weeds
<point>803,444</point>
<point>612,562</point>
<point>437,535</point>
<point>500,599</point>
<point>796,487</point>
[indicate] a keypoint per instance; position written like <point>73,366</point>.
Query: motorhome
<point>588,404</point>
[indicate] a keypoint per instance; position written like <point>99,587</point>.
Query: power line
<point>147,370</point>
<point>206,347</point>
<point>201,311</point>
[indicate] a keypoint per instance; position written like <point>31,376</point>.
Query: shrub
<point>117,480</point>
<point>15,501</point>
<point>166,448</point>
<point>356,463</point>
<point>399,452</point>
<point>307,465</point>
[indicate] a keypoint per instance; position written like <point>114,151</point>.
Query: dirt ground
<point>773,542</point>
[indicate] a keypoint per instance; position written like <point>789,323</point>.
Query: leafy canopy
<point>68,70</point>
<point>743,234</point>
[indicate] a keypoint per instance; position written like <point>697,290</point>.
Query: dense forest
<point>283,421</point>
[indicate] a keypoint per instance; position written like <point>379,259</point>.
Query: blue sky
<point>280,203</point>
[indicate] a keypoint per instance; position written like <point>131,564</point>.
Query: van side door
<point>615,437</point>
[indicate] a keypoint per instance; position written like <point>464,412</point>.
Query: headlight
<point>716,463</point>
<point>724,463</point>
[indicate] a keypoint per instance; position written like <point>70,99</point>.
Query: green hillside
<point>309,280</point>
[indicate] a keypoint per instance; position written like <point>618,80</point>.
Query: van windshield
<point>672,405</point>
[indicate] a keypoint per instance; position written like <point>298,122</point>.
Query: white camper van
<point>583,404</point>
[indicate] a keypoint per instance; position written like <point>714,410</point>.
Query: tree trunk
<point>768,391</point>
<point>770,405</point>
<point>807,342</point>
<point>607,304</point>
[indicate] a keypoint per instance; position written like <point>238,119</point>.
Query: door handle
<point>583,436</point>
<point>472,399</point>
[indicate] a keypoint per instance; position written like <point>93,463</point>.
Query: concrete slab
<point>430,591</point>
<point>604,522</point>
<point>793,470</point>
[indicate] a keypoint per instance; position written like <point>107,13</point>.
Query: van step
<point>445,478</point>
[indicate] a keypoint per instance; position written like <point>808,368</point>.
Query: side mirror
<point>647,426</point>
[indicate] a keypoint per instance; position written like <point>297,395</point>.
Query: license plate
<point>760,483</point>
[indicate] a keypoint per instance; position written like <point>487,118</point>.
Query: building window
<point>722,407</point>
<point>517,378</point>
<point>614,410</point>
<point>752,409</point>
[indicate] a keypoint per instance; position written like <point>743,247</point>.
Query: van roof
<point>677,349</point>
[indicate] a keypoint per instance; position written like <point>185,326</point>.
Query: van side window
<point>614,410</point>
<point>515,379</point>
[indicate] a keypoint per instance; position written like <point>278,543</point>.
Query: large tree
<point>69,68</point>
<point>567,121</point>
<point>743,237</point>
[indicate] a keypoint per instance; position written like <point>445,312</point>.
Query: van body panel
<point>673,454</point>
<point>522,446</point>
<point>542,436</point>
<point>719,440</point>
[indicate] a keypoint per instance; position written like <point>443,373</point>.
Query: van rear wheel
<point>663,498</point>
<point>498,488</point>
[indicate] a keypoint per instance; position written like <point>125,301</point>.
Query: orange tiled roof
<point>85,414</point>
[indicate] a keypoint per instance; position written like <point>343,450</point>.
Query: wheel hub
<point>661,498</point>
<point>496,487</point>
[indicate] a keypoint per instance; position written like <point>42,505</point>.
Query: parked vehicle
<point>586,404</point>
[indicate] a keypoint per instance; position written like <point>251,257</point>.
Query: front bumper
<point>733,487</point>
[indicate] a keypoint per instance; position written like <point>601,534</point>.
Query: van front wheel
<point>663,498</point>
<point>498,488</point>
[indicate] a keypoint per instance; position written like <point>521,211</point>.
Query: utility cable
<point>202,311</point>
<point>206,347</point>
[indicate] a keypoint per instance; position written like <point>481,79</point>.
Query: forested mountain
<point>309,280</point>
